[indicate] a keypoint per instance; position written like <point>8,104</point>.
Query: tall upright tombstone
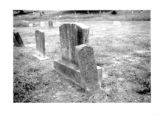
<point>50,24</point>
<point>78,63</point>
<point>72,35</point>
<point>17,40</point>
<point>40,45</point>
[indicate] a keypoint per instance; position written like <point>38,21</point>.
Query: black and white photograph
<point>81,56</point>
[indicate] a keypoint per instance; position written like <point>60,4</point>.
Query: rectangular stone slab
<point>40,42</point>
<point>40,57</point>
<point>72,72</point>
<point>40,46</point>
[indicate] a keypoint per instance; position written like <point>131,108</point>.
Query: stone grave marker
<point>31,27</point>
<point>17,40</point>
<point>87,66</point>
<point>82,71</point>
<point>70,36</point>
<point>50,24</point>
<point>40,45</point>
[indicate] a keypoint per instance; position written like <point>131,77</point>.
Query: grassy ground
<point>122,48</point>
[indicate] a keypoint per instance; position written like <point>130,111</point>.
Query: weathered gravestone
<point>72,35</point>
<point>78,63</point>
<point>17,39</point>
<point>87,66</point>
<point>50,24</point>
<point>40,45</point>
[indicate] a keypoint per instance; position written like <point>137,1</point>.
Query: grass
<point>121,48</point>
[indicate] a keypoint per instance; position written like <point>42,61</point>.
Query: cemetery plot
<point>120,48</point>
<point>73,37</point>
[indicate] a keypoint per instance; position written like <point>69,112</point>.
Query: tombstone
<point>17,40</point>
<point>50,24</point>
<point>40,45</point>
<point>70,36</point>
<point>31,27</point>
<point>41,13</point>
<point>77,62</point>
<point>87,66</point>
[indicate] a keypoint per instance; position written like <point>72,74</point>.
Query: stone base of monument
<point>72,72</point>
<point>40,56</point>
<point>30,45</point>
